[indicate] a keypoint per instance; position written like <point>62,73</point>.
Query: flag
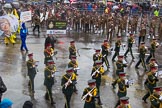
<point>14,12</point>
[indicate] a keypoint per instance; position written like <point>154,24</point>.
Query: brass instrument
<point>107,46</point>
<point>157,44</point>
<point>90,93</point>
<point>68,82</point>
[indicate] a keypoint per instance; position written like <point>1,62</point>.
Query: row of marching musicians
<point>91,93</point>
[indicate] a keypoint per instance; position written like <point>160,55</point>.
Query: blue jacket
<point>6,103</point>
<point>23,31</point>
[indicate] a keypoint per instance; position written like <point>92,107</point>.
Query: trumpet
<point>88,94</point>
<point>68,82</point>
<point>157,44</point>
<point>129,82</point>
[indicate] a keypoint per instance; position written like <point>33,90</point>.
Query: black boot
<point>46,96</point>
<point>99,101</point>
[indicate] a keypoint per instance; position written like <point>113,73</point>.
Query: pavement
<point>14,72</point>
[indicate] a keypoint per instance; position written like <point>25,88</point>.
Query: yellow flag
<point>15,13</point>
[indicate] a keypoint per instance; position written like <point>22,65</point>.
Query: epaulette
<point>149,73</point>
<point>64,76</point>
<point>118,80</point>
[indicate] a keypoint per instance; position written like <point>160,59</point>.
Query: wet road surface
<point>14,72</point>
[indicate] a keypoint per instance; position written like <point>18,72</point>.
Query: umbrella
<point>115,7</point>
<point>16,4</point>
<point>154,5</point>
<point>109,3</point>
<point>7,5</point>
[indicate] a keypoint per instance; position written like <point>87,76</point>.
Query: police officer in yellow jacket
<point>67,82</point>
<point>89,94</point>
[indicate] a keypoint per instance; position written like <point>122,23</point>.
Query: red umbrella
<point>109,3</point>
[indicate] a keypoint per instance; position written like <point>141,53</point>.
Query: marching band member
<point>142,52</point>
<point>31,72</point>
<point>150,82</point>
<point>142,34</point>
<point>89,94</point>
<point>96,74</point>
<point>122,86</point>
<point>105,50</point>
<point>117,48</point>
<point>130,44</point>
<point>72,49</point>
<point>48,53</point>
<point>156,98</point>
<point>74,64</point>
<point>124,103</point>
<point>49,74</point>
<point>120,65</point>
<point>67,82</point>
<point>97,55</point>
<point>153,47</point>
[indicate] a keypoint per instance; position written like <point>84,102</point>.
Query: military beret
<point>73,57</point>
<point>50,62</point>
<point>72,41</point>
<point>153,59</point>
<point>105,40</point>
<point>121,74</point>
<point>48,45</point>
<point>158,88</point>
<point>124,100</point>
<point>31,54</point>
<point>153,68</point>
<point>120,56</point>
<point>131,34</point>
<point>142,43</point>
<point>98,62</point>
<point>119,37</point>
<point>70,69</point>
<point>91,81</point>
<point>97,50</point>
